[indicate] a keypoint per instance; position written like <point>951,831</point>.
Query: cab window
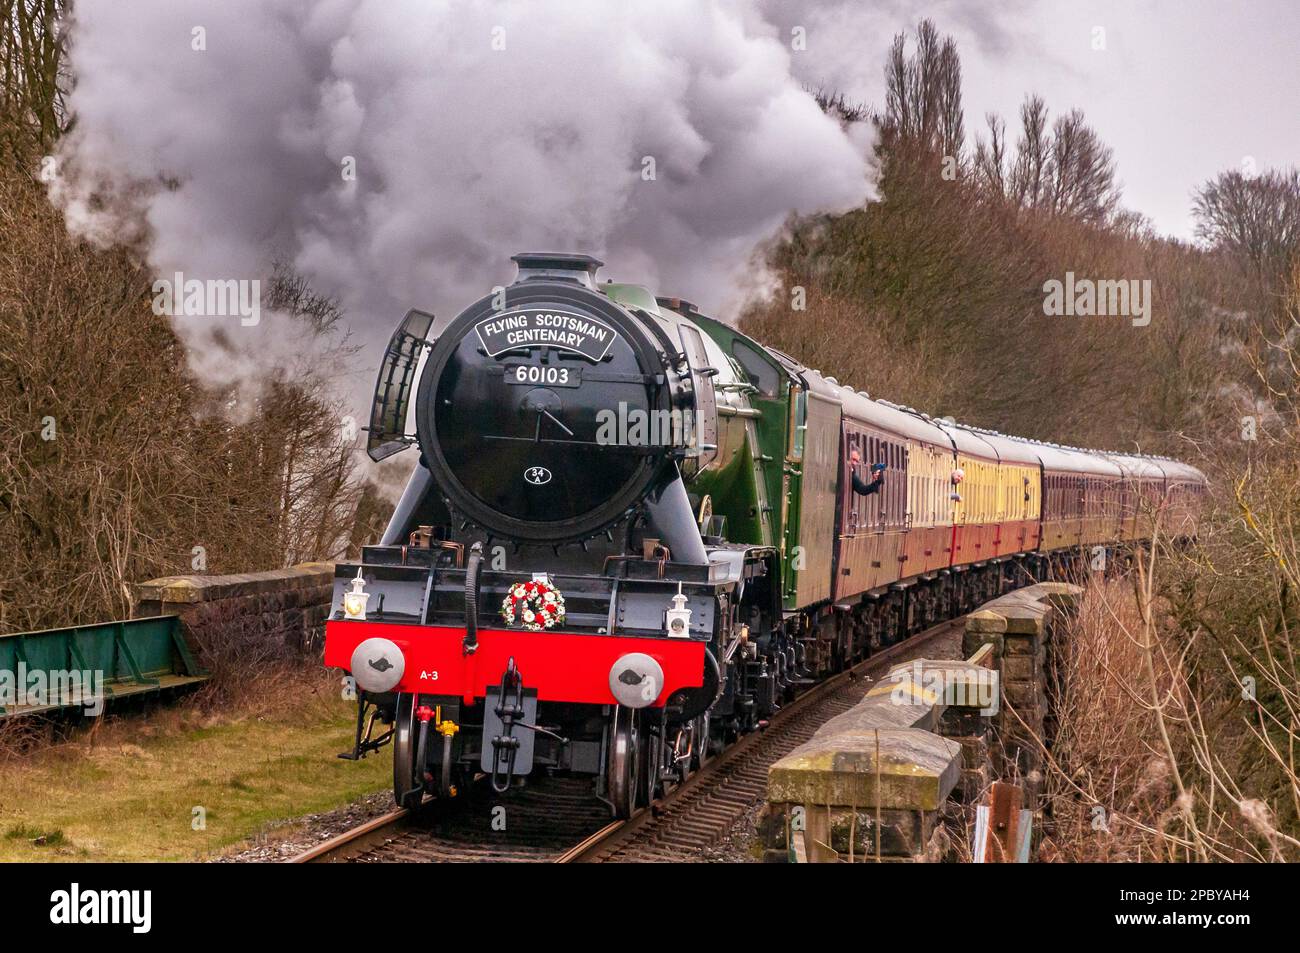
<point>757,367</point>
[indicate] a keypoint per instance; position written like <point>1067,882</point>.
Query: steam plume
<point>475,130</point>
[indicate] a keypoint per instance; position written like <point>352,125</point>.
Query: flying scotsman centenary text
<point>548,328</point>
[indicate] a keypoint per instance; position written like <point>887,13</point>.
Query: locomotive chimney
<point>557,265</point>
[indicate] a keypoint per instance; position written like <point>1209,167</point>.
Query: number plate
<point>543,375</point>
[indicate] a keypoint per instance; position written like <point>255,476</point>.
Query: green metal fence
<point>80,666</point>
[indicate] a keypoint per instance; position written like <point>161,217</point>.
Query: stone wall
<point>889,778</point>
<point>881,780</point>
<point>281,612</point>
<point>1016,629</point>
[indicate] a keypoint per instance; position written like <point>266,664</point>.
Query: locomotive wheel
<point>705,745</point>
<point>626,756</point>
<point>655,752</point>
<point>406,792</point>
<point>711,737</point>
<point>684,768</point>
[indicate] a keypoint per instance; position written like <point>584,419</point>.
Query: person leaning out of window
<point>859,485</point>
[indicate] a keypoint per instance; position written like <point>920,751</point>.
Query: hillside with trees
<point>938,285</point>
<point>1182,678</point>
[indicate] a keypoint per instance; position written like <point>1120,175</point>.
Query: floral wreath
<point>535,605</point>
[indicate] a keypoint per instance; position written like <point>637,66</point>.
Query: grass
<point>34,836</point>
<point>180,784</point>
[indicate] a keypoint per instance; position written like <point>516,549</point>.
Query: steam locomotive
<point>632,534</point>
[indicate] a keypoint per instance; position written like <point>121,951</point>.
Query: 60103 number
<point>539,375</point>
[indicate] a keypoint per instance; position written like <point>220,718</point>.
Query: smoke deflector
<point>393,387</point>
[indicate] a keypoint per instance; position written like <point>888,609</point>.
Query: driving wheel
<point>407,792</point>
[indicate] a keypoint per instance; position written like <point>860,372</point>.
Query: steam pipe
<point>670,513</point>
<point>470,644</point>
<point>417,487</point>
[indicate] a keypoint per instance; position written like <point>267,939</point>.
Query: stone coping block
<point>1058,589</point>
<point>912,695</point>
<point>1023,611</point>
<point>942,683</point>
<point>985,620</point>
<point>1062,595</point>
<point>881,711</point>
<point>1028,618</point>
<point>195,589</point>
<point>916,770</point>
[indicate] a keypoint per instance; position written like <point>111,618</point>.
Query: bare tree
<point>33,75</point>
<point>290,292</point>
<point>1082,171</point>
<point>1029,177</point>
<point>923,105</point>
<point>1256,219</point>
<point>117,464</point>
<point>835,103</point>
<point>1066,170</point>
<point>990,161</point>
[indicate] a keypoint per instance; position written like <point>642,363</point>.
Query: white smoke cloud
<point>477,130</point>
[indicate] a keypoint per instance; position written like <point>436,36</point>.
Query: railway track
<point>535,824</point>
<point>559,820</point>
<point>700,812</point>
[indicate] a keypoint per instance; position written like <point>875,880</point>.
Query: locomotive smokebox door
<point>494,727</point>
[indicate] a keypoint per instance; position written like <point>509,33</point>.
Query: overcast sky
<point>1182,90</point>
